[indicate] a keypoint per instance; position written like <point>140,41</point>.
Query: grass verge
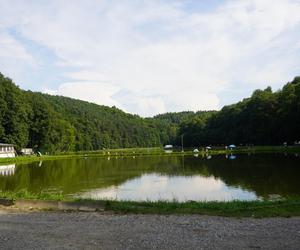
<point>148,152</point>
<point>24,194</point>
<point>82,154</point>
<point>258,209</point>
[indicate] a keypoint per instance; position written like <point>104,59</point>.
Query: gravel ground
<point>58,230</point>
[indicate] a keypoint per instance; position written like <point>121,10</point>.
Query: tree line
<point>60,124</point>
<point>266,118</point>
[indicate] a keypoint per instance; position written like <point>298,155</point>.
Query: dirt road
<point>58,230</point>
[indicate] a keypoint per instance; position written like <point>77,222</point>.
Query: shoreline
<point>137,152</point>
<point>259,209</point>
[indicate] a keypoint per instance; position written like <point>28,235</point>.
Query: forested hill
<point>54,123</point>
<point>266,118</point>
<point>177,118</point>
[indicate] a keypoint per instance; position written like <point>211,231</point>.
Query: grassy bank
<point>265,208</point>
<point>24,194</point>
<point>82,154</point>
<point>128,152</point>
<point>284,208</point>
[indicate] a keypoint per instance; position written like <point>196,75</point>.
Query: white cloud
<point>150,57</point>
<point>14,59</point>
<point>85,75</point>
<point>97,92</point>
<point>140,103</point>
<point>49,91</point>
<point>157,187</point>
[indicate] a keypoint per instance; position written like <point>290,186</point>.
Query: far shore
<point>135,152</point>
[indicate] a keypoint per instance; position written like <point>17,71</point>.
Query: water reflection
<point>156,187</point>
<point>208,157</point>
<point>7,170</point>
<point>232,157</point>
<point>166,177</point>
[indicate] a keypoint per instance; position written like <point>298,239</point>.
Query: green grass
<point>128,152</point>
<point>101,153</point>
<point>284,208</point>
<point>259,209</point>
<point>24,194</point>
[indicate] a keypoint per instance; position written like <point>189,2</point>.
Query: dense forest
<point>266,118</point>
<point>55,124</point>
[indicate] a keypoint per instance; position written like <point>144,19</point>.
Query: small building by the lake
<point>7,150</point>
<point>27,151</point>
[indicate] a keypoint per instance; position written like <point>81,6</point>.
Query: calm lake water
<point>241,177</point>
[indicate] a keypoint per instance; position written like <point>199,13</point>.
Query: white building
<point>7,150</point>
<point>7,170</point>
<point>27,151</point>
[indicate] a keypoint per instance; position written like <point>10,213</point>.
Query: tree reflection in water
<point>243,177</point>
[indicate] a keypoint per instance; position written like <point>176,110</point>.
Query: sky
<point>150,56</point>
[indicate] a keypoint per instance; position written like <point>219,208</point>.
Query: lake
<point>183,178</point>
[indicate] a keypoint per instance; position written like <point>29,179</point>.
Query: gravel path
<point>58,230</point>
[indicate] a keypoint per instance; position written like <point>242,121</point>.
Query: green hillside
<point>60,124</point>
<point>266,118</point>
<point>55,123</point>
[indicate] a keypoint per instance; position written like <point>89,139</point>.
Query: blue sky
<point>149,57</point>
